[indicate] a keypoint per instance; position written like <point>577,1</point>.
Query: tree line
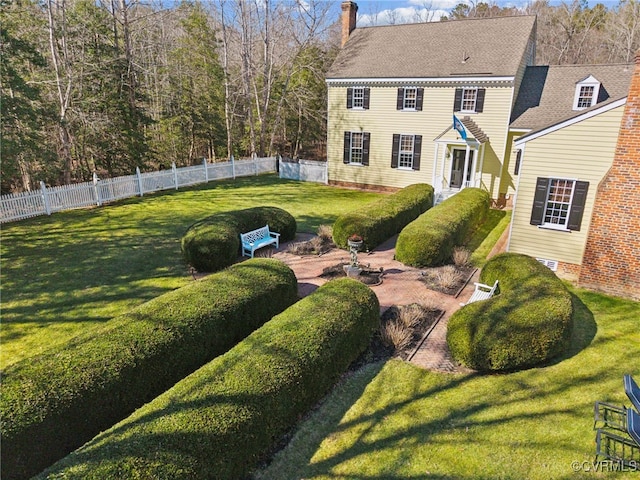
<point>106,86</point>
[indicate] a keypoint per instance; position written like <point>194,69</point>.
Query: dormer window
<point>586,94</point>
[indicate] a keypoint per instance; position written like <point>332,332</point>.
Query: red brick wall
<point>611,261</point>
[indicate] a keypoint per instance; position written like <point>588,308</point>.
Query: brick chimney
<point>611,261</point>
<point>349,10</point>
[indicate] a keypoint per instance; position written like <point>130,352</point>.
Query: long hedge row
<point>381,220</point>
<point>430,239</point>
<point>528,323</point>
<point>53,403</point>
<point>213,243</point>
<point>219,422</point>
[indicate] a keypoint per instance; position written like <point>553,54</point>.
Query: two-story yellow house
<point>462,103</point>
<point>427,102</point>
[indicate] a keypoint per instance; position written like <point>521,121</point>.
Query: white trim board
<point>571,121</point>
<point>417,81</point>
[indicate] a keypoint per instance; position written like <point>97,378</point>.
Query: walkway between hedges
<point>401,286</point>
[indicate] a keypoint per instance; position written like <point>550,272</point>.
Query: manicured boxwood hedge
<point>528,323</point>
<point>55,402</point>
<point>381,220</point>
<point>219,422</point>
<point>430,239</point>
<point>213,243</point>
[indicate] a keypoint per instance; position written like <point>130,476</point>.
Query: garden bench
<point>482,292</point>
<point>255,239</point>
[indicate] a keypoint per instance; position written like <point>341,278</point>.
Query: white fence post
<point>326,173</point>
<point>45,198</point>
<point>139,180</point>
<point>233,167</point>
<point>206,170</point>
<point>255,164</point>
<point>95,189</point>
<point>175,174</point>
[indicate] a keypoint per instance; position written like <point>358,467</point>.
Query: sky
<point>382,12</point>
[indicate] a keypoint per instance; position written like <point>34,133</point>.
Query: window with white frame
<point>586,94</point>
<point>469,99</point>
<point>405,154</point>
<point>410,98</point>
<point>469,96</point>
<point>358,97</point>
<point>559,203</point>
<point>556,211</point>
<point>356,147</point>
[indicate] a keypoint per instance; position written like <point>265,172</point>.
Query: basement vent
<point>551,264</point>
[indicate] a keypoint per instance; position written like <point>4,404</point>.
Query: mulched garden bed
<point>379,350</point>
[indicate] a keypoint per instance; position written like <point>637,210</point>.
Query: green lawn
<point>395,421</point>
<point>67,272</point>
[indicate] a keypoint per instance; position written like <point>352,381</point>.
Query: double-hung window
<point>358,98</point>
<point>405,159</point>
<point>410,98</point>
<point>405,151</point>
<point>587,92</point>
<point>559,203</point>
<point>356,148</point>
<point>409,101</point>
<point>469,100</point>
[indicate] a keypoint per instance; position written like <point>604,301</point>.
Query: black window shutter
<point>577,205</point>
<point>347,147</point>
<point>417,150</point>
<point>457,100</point>
<point>367,96</point>
<point>395,150</point>
<point>480,100</point>
<point>419,98</point>
<point>349,97</point>
<point>400,101</point>
<point>516,169</point>
<point>539,201</point>
<point>366,138</point>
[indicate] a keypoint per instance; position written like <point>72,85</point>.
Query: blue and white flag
<point>457,124</point>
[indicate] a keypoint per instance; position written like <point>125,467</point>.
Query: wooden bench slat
<point>482,292</point>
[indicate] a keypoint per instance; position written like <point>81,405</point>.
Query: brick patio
<point>401,286</point>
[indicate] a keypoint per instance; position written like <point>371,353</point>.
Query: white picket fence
<point>54,199</point>
<point>306,170</point>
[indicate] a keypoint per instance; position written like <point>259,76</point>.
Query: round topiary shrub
<point>213,243</point>
<point>381,220</point>
<point>54,402</point>
<point>430,239</point>
<point>224,418</point>
<point>528,323</point>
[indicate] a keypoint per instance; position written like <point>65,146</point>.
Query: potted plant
<point>355,241</point>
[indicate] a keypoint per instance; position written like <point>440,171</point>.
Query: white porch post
<point>444,160</point>
<point>481,163</point>
<point>435,166</point>
<point>466,166</point>
<point>474,164</point>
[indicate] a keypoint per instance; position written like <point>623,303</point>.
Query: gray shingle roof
<point>492,47</point>
<point>547,92</point>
